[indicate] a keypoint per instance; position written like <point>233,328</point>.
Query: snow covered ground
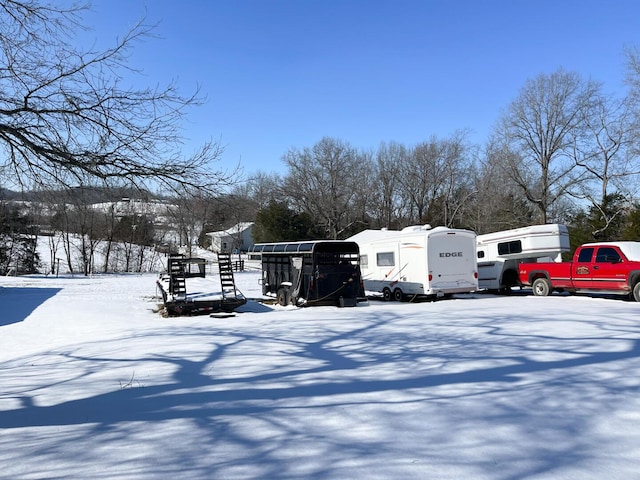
<point>94,383</point>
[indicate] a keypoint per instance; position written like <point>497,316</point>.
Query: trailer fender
<point>509,278</point>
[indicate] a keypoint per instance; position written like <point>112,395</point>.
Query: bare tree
<point>363,185</point>
<point>607,159</point>
<point>264,189</point>
<point>498,203</point>
<point>430,175</point>
<point>66,116</point>
<point>188,216</point>
<point>458,188</point>
<point>633,72</point>
<point>385,205</point>
<point>81,226</point>
<point>539,131</point>
<point>633,81</point>
<point>110,222</point>
<point>323,181</point>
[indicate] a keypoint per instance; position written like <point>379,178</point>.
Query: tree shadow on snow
<point>321,367</point>
<point>17,303</point>
<point>159,402</point>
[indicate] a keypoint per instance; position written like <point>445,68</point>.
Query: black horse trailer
<point>322,272</point>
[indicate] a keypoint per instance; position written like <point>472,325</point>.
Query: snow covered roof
<point>237,228</point>
<point>373,235</point>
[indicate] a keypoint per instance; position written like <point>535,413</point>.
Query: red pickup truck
<point>612,267</point>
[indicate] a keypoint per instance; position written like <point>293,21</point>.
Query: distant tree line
<point>93,238</point>
<point>563,151</point>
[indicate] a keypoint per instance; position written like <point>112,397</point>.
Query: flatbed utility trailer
<point>320,272</point>
<point>178,301</point>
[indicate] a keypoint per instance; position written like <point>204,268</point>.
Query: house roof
<point>237,228</point>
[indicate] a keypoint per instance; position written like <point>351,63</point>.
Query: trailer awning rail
<point>305,247</point>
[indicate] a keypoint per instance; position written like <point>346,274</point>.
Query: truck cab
<point>599,267</point>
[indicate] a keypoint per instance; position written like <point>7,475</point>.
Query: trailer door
<point>413,263</point>
<point>452,261</point>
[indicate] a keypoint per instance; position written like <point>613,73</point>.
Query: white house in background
<point>237,238</point>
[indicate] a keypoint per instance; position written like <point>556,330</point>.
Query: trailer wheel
<point>636,292</point>
<point>541,287</point>
<point>509,279</point>
<point>398,296</point>
<point>386,294</point>
<point>283,297</point>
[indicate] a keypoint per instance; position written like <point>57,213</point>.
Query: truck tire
<point>398,296</point>
<point>386,294</point>
<point>541,287</point>
<point>636,292</point>
<point>283,297</point>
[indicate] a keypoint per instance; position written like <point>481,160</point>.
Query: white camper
<point>418,261</point>
<point>500,253</point>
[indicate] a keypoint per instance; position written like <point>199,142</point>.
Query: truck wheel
<point>541,287</point>
<point>386,294</point>
<point>636,292</point>
<point>283,297</point>
<point>398,296</point>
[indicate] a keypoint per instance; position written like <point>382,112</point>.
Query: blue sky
<point>281,74</point>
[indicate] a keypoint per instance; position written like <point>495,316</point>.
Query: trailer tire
<point>541,287</point>
<point>283,297</point>
<point>509,279</point>
<point>636,292</point>
<point>398,296</point>
<point>386,294</point>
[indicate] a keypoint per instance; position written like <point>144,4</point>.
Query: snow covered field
<point>96,384</point>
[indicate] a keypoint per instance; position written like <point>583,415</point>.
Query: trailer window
<point>336,258</point>
<point>385,259</point>
<point>364,261</point>
<point>327,258</point>
<point>480,254</point>
<point>505,248</point>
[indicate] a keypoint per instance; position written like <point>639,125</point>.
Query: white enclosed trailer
<point>418,261</point>
<point>500,253</point>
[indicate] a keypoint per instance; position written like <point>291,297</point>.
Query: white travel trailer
<point>500,253</point>
<point>418,261</point>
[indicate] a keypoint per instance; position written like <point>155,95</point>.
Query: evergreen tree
<point>18,239</point>
<point>278,223</point>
